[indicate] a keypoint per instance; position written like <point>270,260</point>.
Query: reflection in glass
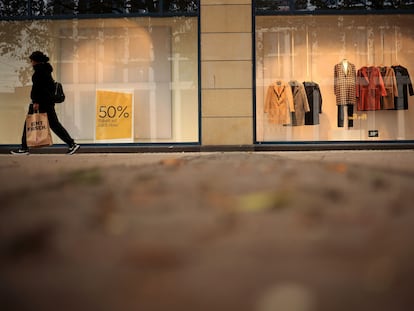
<point>10,9</point>
<point>268,6</point>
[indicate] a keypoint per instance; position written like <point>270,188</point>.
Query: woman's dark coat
<point>43,85</point>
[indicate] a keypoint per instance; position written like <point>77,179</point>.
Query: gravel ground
<point>271,231</point>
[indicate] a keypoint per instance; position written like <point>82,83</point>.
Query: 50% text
<point>113,112</point>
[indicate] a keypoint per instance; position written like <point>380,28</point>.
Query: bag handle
<point>31,109</point>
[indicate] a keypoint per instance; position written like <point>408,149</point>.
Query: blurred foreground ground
<point>271,231</point>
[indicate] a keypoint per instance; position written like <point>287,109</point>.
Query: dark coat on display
<point>370,88</point>
<point>344,84</point>
<point>404,85</point>
<point>313,93</point>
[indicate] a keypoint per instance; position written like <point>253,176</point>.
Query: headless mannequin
<point>345,65</point>
<point>348,114</point>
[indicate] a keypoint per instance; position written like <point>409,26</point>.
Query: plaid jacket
<point>345,84</point>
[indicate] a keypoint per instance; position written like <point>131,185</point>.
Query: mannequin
<point>345,90</point>
<point>345,64</point>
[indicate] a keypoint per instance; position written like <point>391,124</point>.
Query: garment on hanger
<point>390,83</point>
<point>300,101</point>
<point>279,103</point>
<point>314,96</point>
<point>370,88</point>
<point>404,87</point>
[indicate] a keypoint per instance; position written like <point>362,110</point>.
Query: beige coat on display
<point>301,102</point>
<point>279,103</point>
<point>390,83</point>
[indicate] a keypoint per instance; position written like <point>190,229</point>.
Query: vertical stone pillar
<point>226,72</point>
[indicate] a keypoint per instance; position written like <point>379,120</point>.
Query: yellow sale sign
<point>114,118</point>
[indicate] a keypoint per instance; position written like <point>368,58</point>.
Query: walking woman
<point>41,96</point>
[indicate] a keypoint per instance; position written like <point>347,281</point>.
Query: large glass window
<point>126,79</point>
<point>334,78</point>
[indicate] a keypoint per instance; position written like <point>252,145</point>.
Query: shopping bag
<point>37,130</point>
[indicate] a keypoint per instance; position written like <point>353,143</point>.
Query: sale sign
<point>114,116</point>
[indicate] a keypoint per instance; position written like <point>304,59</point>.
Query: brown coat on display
<point>300,101</point>
<point>279,103</point>
<point>370,88</point>
<point>390,83</point>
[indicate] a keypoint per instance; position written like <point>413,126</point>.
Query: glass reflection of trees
<point>31,8</point>
<point>332,5</point>
<point>19,39</point>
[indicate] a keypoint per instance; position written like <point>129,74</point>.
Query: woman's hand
<point>35,106</point>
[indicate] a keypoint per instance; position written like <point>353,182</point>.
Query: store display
<point>369,88</point>
<point>354,67</point>
<point>293,103</point>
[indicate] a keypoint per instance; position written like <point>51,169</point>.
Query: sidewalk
<point>254,231</point>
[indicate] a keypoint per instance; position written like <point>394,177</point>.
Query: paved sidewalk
<point>254,231</point>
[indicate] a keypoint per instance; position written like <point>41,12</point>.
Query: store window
<point>127,80</point>
<point>334,77</point>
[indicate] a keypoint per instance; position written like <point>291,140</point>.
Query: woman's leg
<point>57,127</point>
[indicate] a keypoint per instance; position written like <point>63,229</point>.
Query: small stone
<point>286,297</point>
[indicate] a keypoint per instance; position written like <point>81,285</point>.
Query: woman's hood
<point>45,67</point>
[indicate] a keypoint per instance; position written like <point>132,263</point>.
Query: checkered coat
<point>345,84</point>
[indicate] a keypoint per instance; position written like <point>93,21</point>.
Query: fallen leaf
<point>259,201</point>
